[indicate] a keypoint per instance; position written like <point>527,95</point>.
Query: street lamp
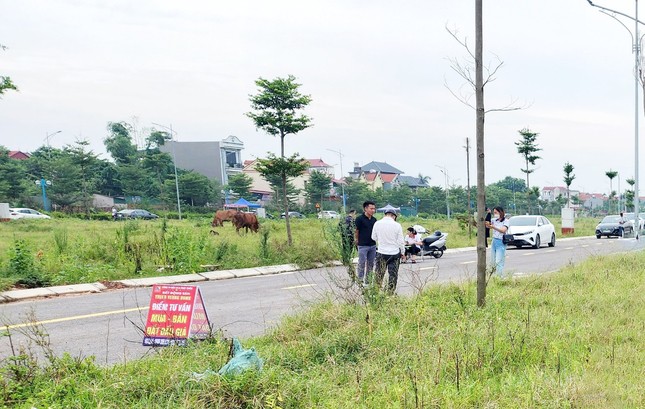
<point>445,174</point>
<point>636,40</point>
<point>174,163</point>
<point>342,182</point>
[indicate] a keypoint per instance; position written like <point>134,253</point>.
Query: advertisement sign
<point>176,313</point>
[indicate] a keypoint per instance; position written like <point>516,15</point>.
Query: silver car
<point>531,231</point>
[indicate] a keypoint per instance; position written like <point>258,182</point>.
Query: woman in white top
<point>412,245</point>
<point>499,227</point>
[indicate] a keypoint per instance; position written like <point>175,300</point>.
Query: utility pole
<point>342,179</point>
<point>445,174</point>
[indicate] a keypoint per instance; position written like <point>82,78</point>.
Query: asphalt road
<point>108,325</point>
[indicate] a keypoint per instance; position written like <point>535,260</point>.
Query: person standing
<point>347,228</point>
<point>487,220</point>
<point>621,224</point>
<point>499,225</point>
<point>366,245</point>
<point>388,234</point>
<point>113,213</point>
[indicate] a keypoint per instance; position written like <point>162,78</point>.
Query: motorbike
<point>434,244</point>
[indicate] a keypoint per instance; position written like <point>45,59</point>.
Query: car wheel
<point>552,242</point>
<point>537,242</point>
<point>518,246</point>
<point>598,236</point>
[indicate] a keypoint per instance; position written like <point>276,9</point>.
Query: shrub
<point>23,267</point>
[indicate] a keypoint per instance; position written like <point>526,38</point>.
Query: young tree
<point>13,183</point>
<point>276,111</point>
<point>317,188</point>
<point>240,184</point>
<point>629,194</point>
<point>568,179</point>
<point>119,144</point>
<point>87,163</point>
<point>611,174</point>
<point>527,147</point>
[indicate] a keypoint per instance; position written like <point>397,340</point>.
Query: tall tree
<point>6,83</point>
<point>240,184</point>
<point>527,147</point>
<point>629,194</point>
<point>119,143</point>
<point>568,179</point>
<point>611,174</point>
<point>317,188</point>
<point>87,163</point>
<point>12,178</point>
<point>276,111</point>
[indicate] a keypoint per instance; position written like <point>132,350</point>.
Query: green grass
<point>70,251</point>
<point>573,339</point>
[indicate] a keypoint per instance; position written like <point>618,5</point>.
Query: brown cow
<point>246,221</point>
<point>222,216</point>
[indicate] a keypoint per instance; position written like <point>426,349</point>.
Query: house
<point>262,189</point>
<point>551,193</point>
<point>413,182</point>
<point>592,200</point>
<point>376,175</point>
<point>18,155</point>
<point>214,159</point>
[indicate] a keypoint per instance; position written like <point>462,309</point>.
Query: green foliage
<point>317,188</point>
<point>22,266</point>
<point>5,82</point>
<point>240,184</point>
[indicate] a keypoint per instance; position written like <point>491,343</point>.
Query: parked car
<point>135,214</point>
<point>293,215</point>
<point>25,213</point>
<point>610,227</point>
<point>531,230</point>
<point>328,214</point>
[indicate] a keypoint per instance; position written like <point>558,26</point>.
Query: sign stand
<point>176,314</point>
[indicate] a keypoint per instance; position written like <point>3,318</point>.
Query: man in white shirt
<point>388,235</point>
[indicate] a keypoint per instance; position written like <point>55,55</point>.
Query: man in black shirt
<point>366,246</point>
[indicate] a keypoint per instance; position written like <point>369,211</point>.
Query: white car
<point>328,214</point>
<point>25,213</point>
<point>531,231</point>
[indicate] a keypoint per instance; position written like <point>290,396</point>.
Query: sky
<point>379,73</point>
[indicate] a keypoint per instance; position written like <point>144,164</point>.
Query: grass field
<point>572,339</point>
<point>67,251</point>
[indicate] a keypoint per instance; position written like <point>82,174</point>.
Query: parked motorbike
<point>433,245</point>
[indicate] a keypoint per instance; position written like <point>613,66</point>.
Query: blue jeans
<point>366,257</point>
<point>497,256</point>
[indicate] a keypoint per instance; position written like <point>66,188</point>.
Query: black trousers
<point>391,262</point>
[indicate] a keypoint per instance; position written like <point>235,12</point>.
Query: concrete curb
<point>19,295</point>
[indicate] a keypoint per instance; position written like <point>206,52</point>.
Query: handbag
<point>507,238</point>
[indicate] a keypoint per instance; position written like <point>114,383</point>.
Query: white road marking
<point>550,251</point>
<point>585,245</point>
<point>528,254</point>
<point>428,268</point>
<point>298,286</point>
<point>469,262</point>
<point>568,248</point>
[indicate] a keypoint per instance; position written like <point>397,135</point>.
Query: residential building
<point>413,182</point>
<point>19,155</point>
<point>214,159</point>
<point>551,193</point>
<point>376,175</point>
<point>592,200</point>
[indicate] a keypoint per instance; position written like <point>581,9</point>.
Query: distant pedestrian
<point>388,234</point>
<point>347,228</point>
<point>621,224</point>
<point>364,224</point>
<point>113,213</point>
<point>487,220</point>
<point>499,225</point>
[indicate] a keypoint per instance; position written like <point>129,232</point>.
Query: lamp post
<point>43,186</point>
<point>46,140</point>
<point>636,40</point>
<point>174,163</point>
<point>342,182</point>
<point>445,174</point>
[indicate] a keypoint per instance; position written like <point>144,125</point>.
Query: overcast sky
<point>376,71</point>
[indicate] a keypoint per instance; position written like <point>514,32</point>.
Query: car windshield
<point>610,219</point>
<point>522,221</point>
<point>630,216</point>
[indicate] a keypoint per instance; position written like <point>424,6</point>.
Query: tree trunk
<point>481,185</point>
<point>285,201</point>
<point>528,190</point>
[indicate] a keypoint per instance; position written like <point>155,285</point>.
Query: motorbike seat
<point>430,240</point>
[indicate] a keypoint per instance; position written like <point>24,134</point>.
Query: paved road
<point>107,325</point>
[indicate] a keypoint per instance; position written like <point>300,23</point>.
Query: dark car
<point>135,214</point>
<point>610,227</point>
<point>294,215</point>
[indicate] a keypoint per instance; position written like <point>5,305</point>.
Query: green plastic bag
<point>242,360</point>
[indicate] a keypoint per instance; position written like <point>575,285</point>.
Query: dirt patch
<point>113,285</point>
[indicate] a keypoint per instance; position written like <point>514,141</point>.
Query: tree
<point>86,162</point>
<point>119,144</point>
<point>12,177</point>
<point>568,179</point>
<point>240,184</point>
<point>629,194</point>
<point>356,192</point>
<point>273,167</point>
<point>276,107</point>
<point>611,174</point>
<point>527,147</point>
<point>317,188</point>
<point>5,82</point>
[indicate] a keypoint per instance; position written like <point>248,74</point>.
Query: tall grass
<point>571,339</point>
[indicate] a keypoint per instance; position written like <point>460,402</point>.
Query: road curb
<point>44,292</point>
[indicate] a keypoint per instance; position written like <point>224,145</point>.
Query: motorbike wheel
<point>437,253</point>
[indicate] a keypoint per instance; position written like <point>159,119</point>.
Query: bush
<point>23,267</point>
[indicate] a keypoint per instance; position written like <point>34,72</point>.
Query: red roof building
<point>18,155</point>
